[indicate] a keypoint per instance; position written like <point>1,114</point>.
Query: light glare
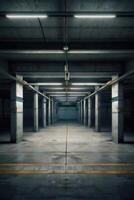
<point>17,16</point>
<point>94,16</point>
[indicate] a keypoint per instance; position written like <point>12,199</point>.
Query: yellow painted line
<point>68,164</point>
<point>103,172</point>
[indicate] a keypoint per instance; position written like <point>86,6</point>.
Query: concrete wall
<point>129,111</point>
<point>4,113</point>
<point>67,113</point>
<point>106,109</point>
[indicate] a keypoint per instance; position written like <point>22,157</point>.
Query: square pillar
<point>55,112</point>
<point>79,114</point>
<point>49,112</point>
<point>97,111</point>
<point>84,112</point>
<point>117,112</point>
<point>44,114</point>
<point>81,108</point>
<point>90,112</point>
<point>17,111</point>
<point>52,112</point>
<point>36,110</point>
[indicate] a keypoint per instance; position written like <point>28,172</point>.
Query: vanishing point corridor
<point>66,100</point>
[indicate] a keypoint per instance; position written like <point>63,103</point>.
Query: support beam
<point>36,111</point>
<point>97,111</point>
<point>17,111</point>
<point>117,112</point>
<point>111,82</point>
<point>22,82</point>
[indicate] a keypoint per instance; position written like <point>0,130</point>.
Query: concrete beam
<point>50,75</point>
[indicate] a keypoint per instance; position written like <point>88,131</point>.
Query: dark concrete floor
<point>66,161</point>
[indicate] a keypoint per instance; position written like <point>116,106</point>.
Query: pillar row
<point>17,111</point>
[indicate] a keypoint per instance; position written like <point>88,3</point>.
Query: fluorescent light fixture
<point>95,16</point>
<point>55,88</point>
<point>44,84</point>
<point>58,51</point>
<point>64,95</point>
<point>78,88</point>
<point>32,51</point>
<point>67,92</point>
<point>98,51</point>
<point>26,16</point>
<point>87,84</point>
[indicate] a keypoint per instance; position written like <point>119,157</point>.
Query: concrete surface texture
<point>66,161</point>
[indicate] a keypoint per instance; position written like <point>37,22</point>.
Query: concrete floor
<point>66,161</point>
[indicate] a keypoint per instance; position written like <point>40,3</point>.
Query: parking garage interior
<point>66,99</point>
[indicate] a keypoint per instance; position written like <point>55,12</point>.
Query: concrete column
<point>49,112</point>
<point>81,106</point>
<point>89,112</point>
<point>44,114</point>
<point>36,111</point>
<point>55,112</point>
<point>17,111</point>
<point>97,111</point>
<point>79,114</point>
<point>52,112</point>
<point>84,112</point>
<point>117,112</point>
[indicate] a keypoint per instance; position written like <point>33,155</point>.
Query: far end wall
<point>67,112</point>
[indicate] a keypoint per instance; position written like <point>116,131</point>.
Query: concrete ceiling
<point>114,38</point>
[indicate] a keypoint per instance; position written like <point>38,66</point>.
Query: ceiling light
<point>87,84</point>
<point>54,88</point>
<point>78,88</point>
<point>32,51</point>
<point>44,84</point>
<point>97,16</point>
<point>64,95</point>
<point>65,48</point>
<point>67,92</point>
<point>26,16</point>
<point>97,51</point>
